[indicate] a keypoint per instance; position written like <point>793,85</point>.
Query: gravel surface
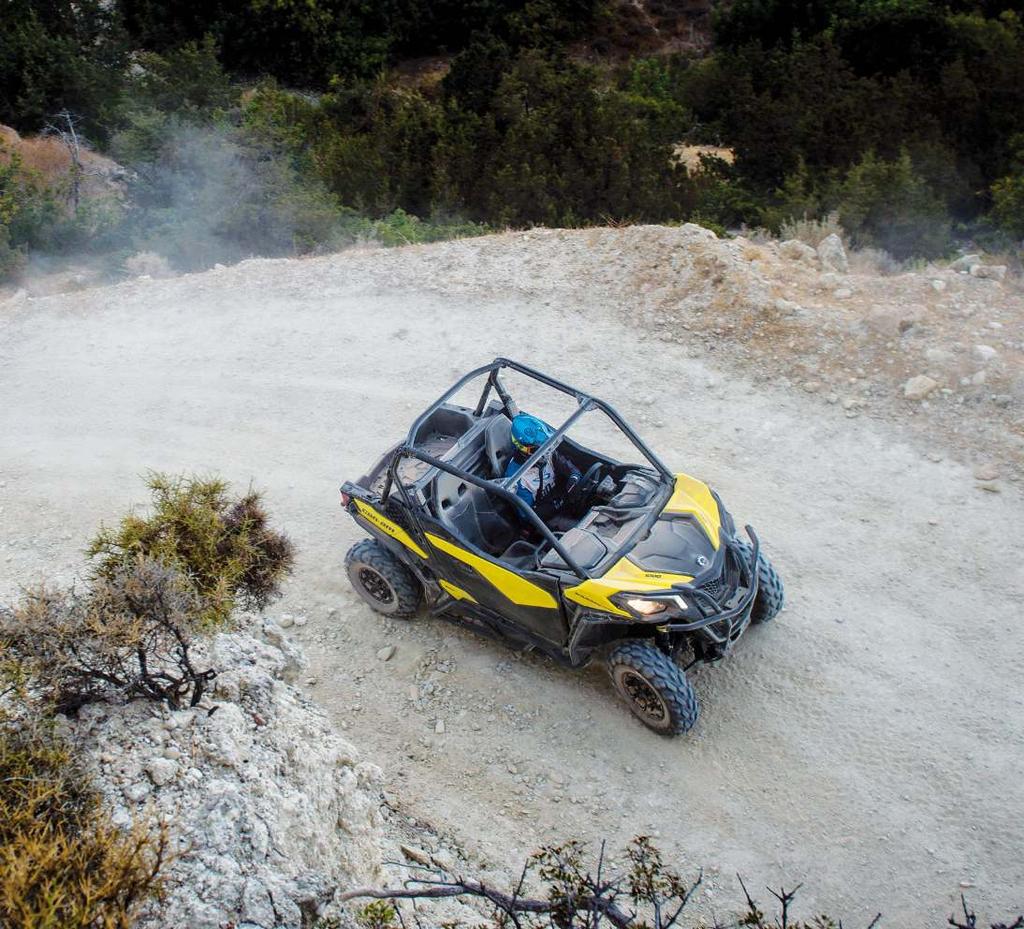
<point>868,743</point>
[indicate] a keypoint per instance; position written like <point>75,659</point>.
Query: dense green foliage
<point>223,547</point>
<point>419,120</point>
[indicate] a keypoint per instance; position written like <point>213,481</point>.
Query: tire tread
<point>666,676</point>
<point>408,590</point>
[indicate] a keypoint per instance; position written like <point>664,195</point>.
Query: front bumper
<point>722,625</point>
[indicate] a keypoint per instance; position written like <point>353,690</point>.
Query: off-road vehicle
<point>645,567</point>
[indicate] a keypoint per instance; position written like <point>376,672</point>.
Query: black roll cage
<point>501,487</point>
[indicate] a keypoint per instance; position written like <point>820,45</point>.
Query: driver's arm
<point>568,471</point>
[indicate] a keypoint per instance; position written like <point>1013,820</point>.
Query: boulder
<point>832,255</point>
<point>989,272</point>
<point>965,263</point>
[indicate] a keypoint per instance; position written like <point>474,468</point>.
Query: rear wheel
<point>771,594</point>
<point>654,687</point>
<point>386,584</point>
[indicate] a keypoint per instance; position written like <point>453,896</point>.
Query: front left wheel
<point>654,687</point>
<point>386,584</point>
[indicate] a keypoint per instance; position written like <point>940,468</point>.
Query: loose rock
<point>832,255</point>
<point>917,388</point>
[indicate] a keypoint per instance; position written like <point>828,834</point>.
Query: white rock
<point>386,653</point>
<point>986,472</point>
<point>989,272</point>
<point>832,255</point>
<point>938,285</point>
<point>162,771</point>
<point>984,352</point>
<point>278,810</point>
<point>138,791</point>
<point>965,263</point>
<point>917,388</point>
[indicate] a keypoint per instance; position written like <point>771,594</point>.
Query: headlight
<point>646,607</point>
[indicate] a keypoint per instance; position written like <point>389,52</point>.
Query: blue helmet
<point>528,432</point>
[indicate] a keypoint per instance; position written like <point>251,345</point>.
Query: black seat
<point>473,514</point>
<point>498,444</point>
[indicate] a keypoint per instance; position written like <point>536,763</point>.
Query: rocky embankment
<point>268,809</point>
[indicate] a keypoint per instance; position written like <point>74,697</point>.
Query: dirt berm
<point>869,743</point>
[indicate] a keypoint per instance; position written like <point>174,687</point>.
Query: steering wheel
<point>588,484</point>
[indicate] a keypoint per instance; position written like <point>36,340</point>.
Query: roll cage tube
<point>585,401</point>
<point>490,487</point>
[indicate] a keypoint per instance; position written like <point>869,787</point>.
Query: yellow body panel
<point>623,576</point>
<point>694,497</point>
<point>457,592</point>
<point>511,585</point>
<point>689,496</point>
<point>385,525</point>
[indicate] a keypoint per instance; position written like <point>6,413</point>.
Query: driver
<point>546,485</point>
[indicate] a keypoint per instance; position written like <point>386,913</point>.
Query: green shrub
<point>885,204</point>
<point>1008,195</point>
<point>1008,205</point>
<point>223,546</point>
<point>401,228</point>
<point>63,863</point>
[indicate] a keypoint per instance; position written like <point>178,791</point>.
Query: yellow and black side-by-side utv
<point>641,566</point>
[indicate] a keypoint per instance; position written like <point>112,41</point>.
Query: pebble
<point>986,472</point>
<point>137,792</point>
<point>386,653</point>
<point>286,621</point>
<point>984,352</point>
<point>301,620</point>
<point>439,727</point>
<point>917,388</point>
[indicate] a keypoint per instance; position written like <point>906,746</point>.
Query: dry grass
<point>63,863</point>
<point>812,231</point>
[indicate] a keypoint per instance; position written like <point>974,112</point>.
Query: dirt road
<point>870,743</point>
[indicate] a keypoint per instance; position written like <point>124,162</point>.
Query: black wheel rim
<point>646,701</point>
<point>375,585</point>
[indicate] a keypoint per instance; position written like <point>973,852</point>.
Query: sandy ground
<point>870,743</point>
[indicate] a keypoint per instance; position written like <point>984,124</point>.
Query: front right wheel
<point>654,687</point>
<point>771,594</point>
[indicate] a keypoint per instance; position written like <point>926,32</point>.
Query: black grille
<point>715,587</point>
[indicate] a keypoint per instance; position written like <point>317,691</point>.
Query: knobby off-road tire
<point>771,595</point>
<point>386,584</point>
<point>654,687</point>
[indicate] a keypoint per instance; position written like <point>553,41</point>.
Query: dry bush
<point>225,548</point>
<point>812,231</point>
<point>645,894</point>
<point>63,863</point>
<point>129,636</point>
<point>147,263</point>
<point>873,261</point>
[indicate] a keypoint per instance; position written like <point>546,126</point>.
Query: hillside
<point>866,744</point>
